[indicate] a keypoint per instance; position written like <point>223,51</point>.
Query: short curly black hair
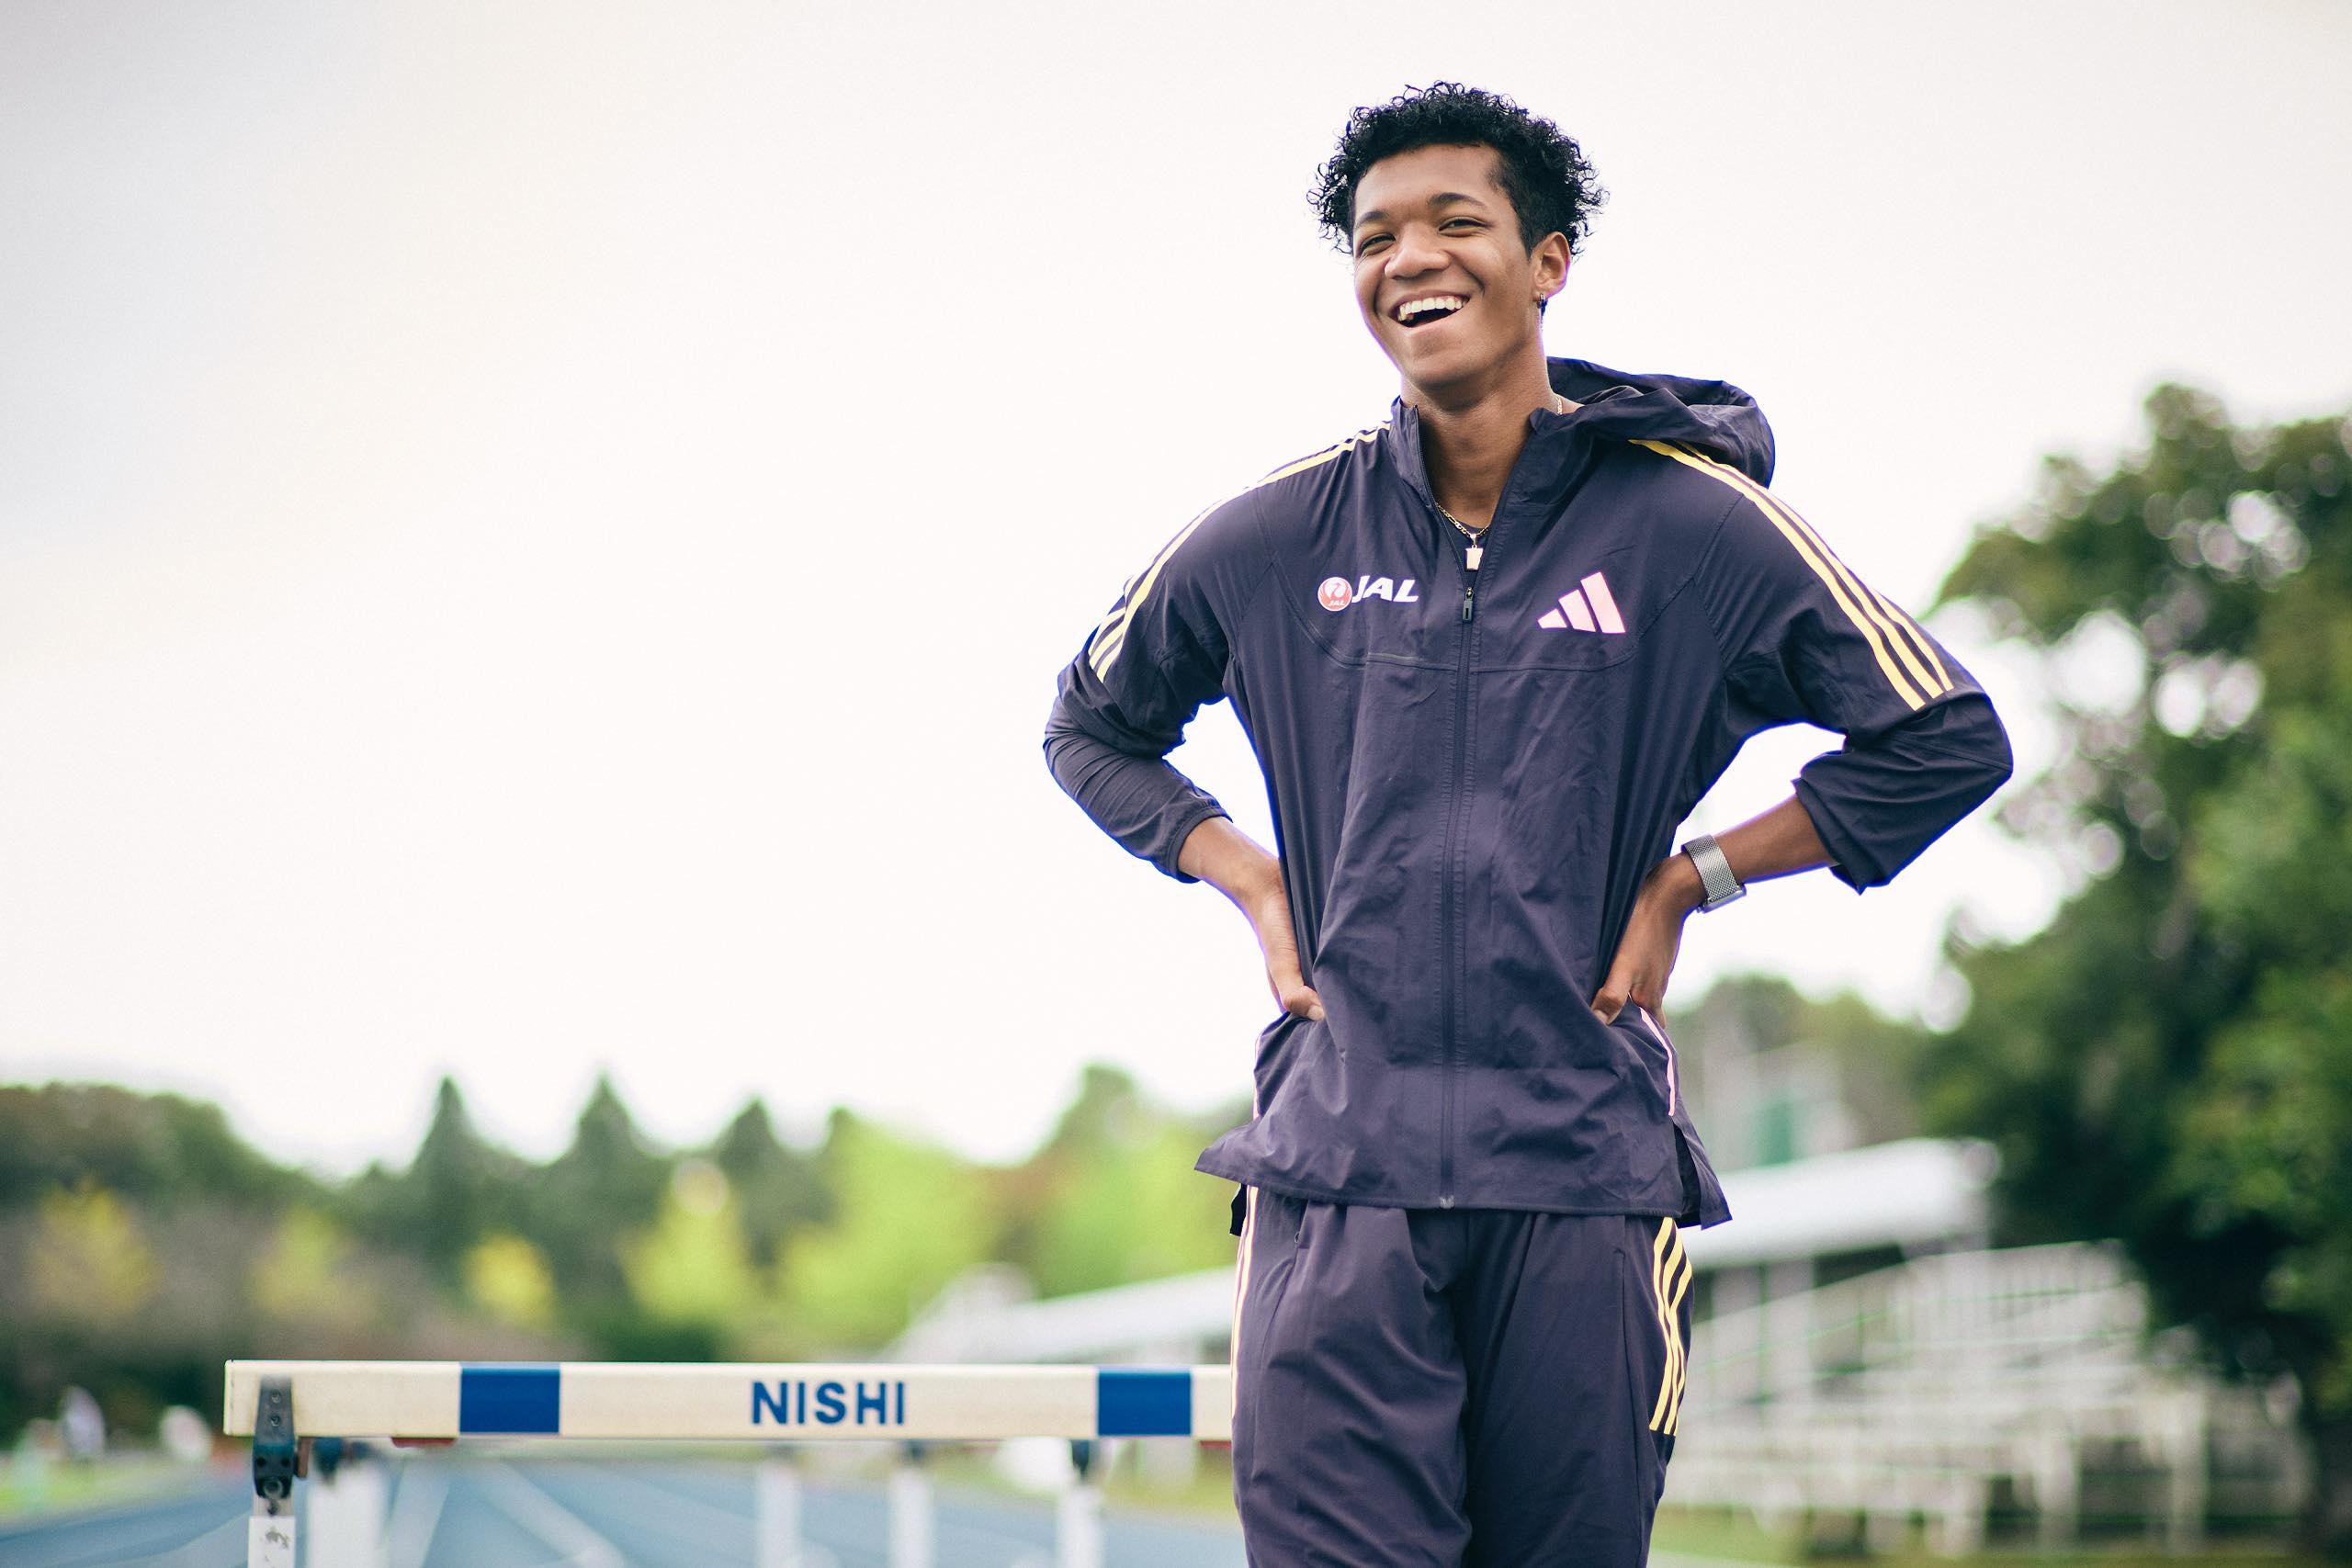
<point>1550,183</point>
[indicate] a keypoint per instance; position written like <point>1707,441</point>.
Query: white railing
<point>1918,1390</point>
<point>288,1407</point>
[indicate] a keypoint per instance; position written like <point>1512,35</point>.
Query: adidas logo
<point>1588,607</point>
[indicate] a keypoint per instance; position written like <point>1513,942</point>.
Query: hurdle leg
<point>1077,1514</point>
<point>776,1490</point>
<point>345,1506</point>
<point>269,1534</point>
<point>912,1536</point>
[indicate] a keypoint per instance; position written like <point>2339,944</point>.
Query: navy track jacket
<point>1471,774</point>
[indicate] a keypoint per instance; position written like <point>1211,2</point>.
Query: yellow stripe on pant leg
<point>1664,1325</point>
<point>1682,1352</point>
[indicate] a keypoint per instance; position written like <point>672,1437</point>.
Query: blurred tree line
<point>2169,1062</point>
<point>142,1243</point>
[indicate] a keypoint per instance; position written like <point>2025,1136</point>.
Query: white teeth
<point>1413,308</point>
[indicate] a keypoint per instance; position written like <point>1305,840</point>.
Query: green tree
<point>1112,1197</point>
<point>88,1261</point>
<point>155,1148</point>
<point>777,1187</point>
<point>2170,1062</point>
<point>693,1272</point>
<point>459,1190</point>
<point>304,1274</point>
<point>609,1185</point>
<point>909,1218</point>
<point>507,1277</point>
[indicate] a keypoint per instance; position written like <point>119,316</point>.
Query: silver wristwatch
<point>1714,872</point>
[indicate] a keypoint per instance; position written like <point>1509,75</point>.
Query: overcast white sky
<point>537,538</point>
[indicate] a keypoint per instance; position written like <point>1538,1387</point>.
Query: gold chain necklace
<point>1467,531</point>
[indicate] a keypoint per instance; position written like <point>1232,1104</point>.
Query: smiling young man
<point>1490,652</point>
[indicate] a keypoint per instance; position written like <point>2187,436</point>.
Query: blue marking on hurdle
<point>508,1399</point>
<point>1143,1402</point>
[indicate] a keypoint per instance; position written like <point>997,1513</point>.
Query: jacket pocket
<point>1656,1048</point>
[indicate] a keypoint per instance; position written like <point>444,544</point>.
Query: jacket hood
<point>1714,416</point>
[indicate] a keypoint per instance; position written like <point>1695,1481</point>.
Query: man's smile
<point>1423,308</point>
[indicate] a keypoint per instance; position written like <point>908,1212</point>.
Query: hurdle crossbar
<point>756,1402</point>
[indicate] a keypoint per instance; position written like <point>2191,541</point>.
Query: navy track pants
<point>1423,1388</point>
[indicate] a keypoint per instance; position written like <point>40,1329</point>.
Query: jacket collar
<point>1716,417</point>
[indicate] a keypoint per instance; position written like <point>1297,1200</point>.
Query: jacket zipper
<point>1472,558</point>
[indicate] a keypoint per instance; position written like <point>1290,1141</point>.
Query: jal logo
<point>1337,592</point>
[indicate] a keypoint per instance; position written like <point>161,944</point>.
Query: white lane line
<point>416,1513</point>
<point>547,1518</point>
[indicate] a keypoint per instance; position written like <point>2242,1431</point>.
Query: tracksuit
<point>1461,1177</point>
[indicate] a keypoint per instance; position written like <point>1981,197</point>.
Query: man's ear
<point>1550,262</point>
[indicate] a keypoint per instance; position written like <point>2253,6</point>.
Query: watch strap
<point>1714,872</point>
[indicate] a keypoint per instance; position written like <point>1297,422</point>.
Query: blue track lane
<point>485,1512</point>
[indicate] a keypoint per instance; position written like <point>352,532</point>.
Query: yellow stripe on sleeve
<point>1111,636</point>
<point>1919,638</point>
<point>1319,458</point>
<point>1891,616</point>
<point>1874,603</point>
<point>1880,636</point>
<point>1107,647</point>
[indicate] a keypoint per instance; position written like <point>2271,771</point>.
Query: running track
<point>532,1513</point>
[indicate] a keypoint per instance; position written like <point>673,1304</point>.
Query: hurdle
<point>298,1411</point>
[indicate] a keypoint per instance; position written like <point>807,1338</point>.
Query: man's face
<point>1443,281</point>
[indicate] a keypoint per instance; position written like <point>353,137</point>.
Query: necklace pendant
<point>1471,557</point>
